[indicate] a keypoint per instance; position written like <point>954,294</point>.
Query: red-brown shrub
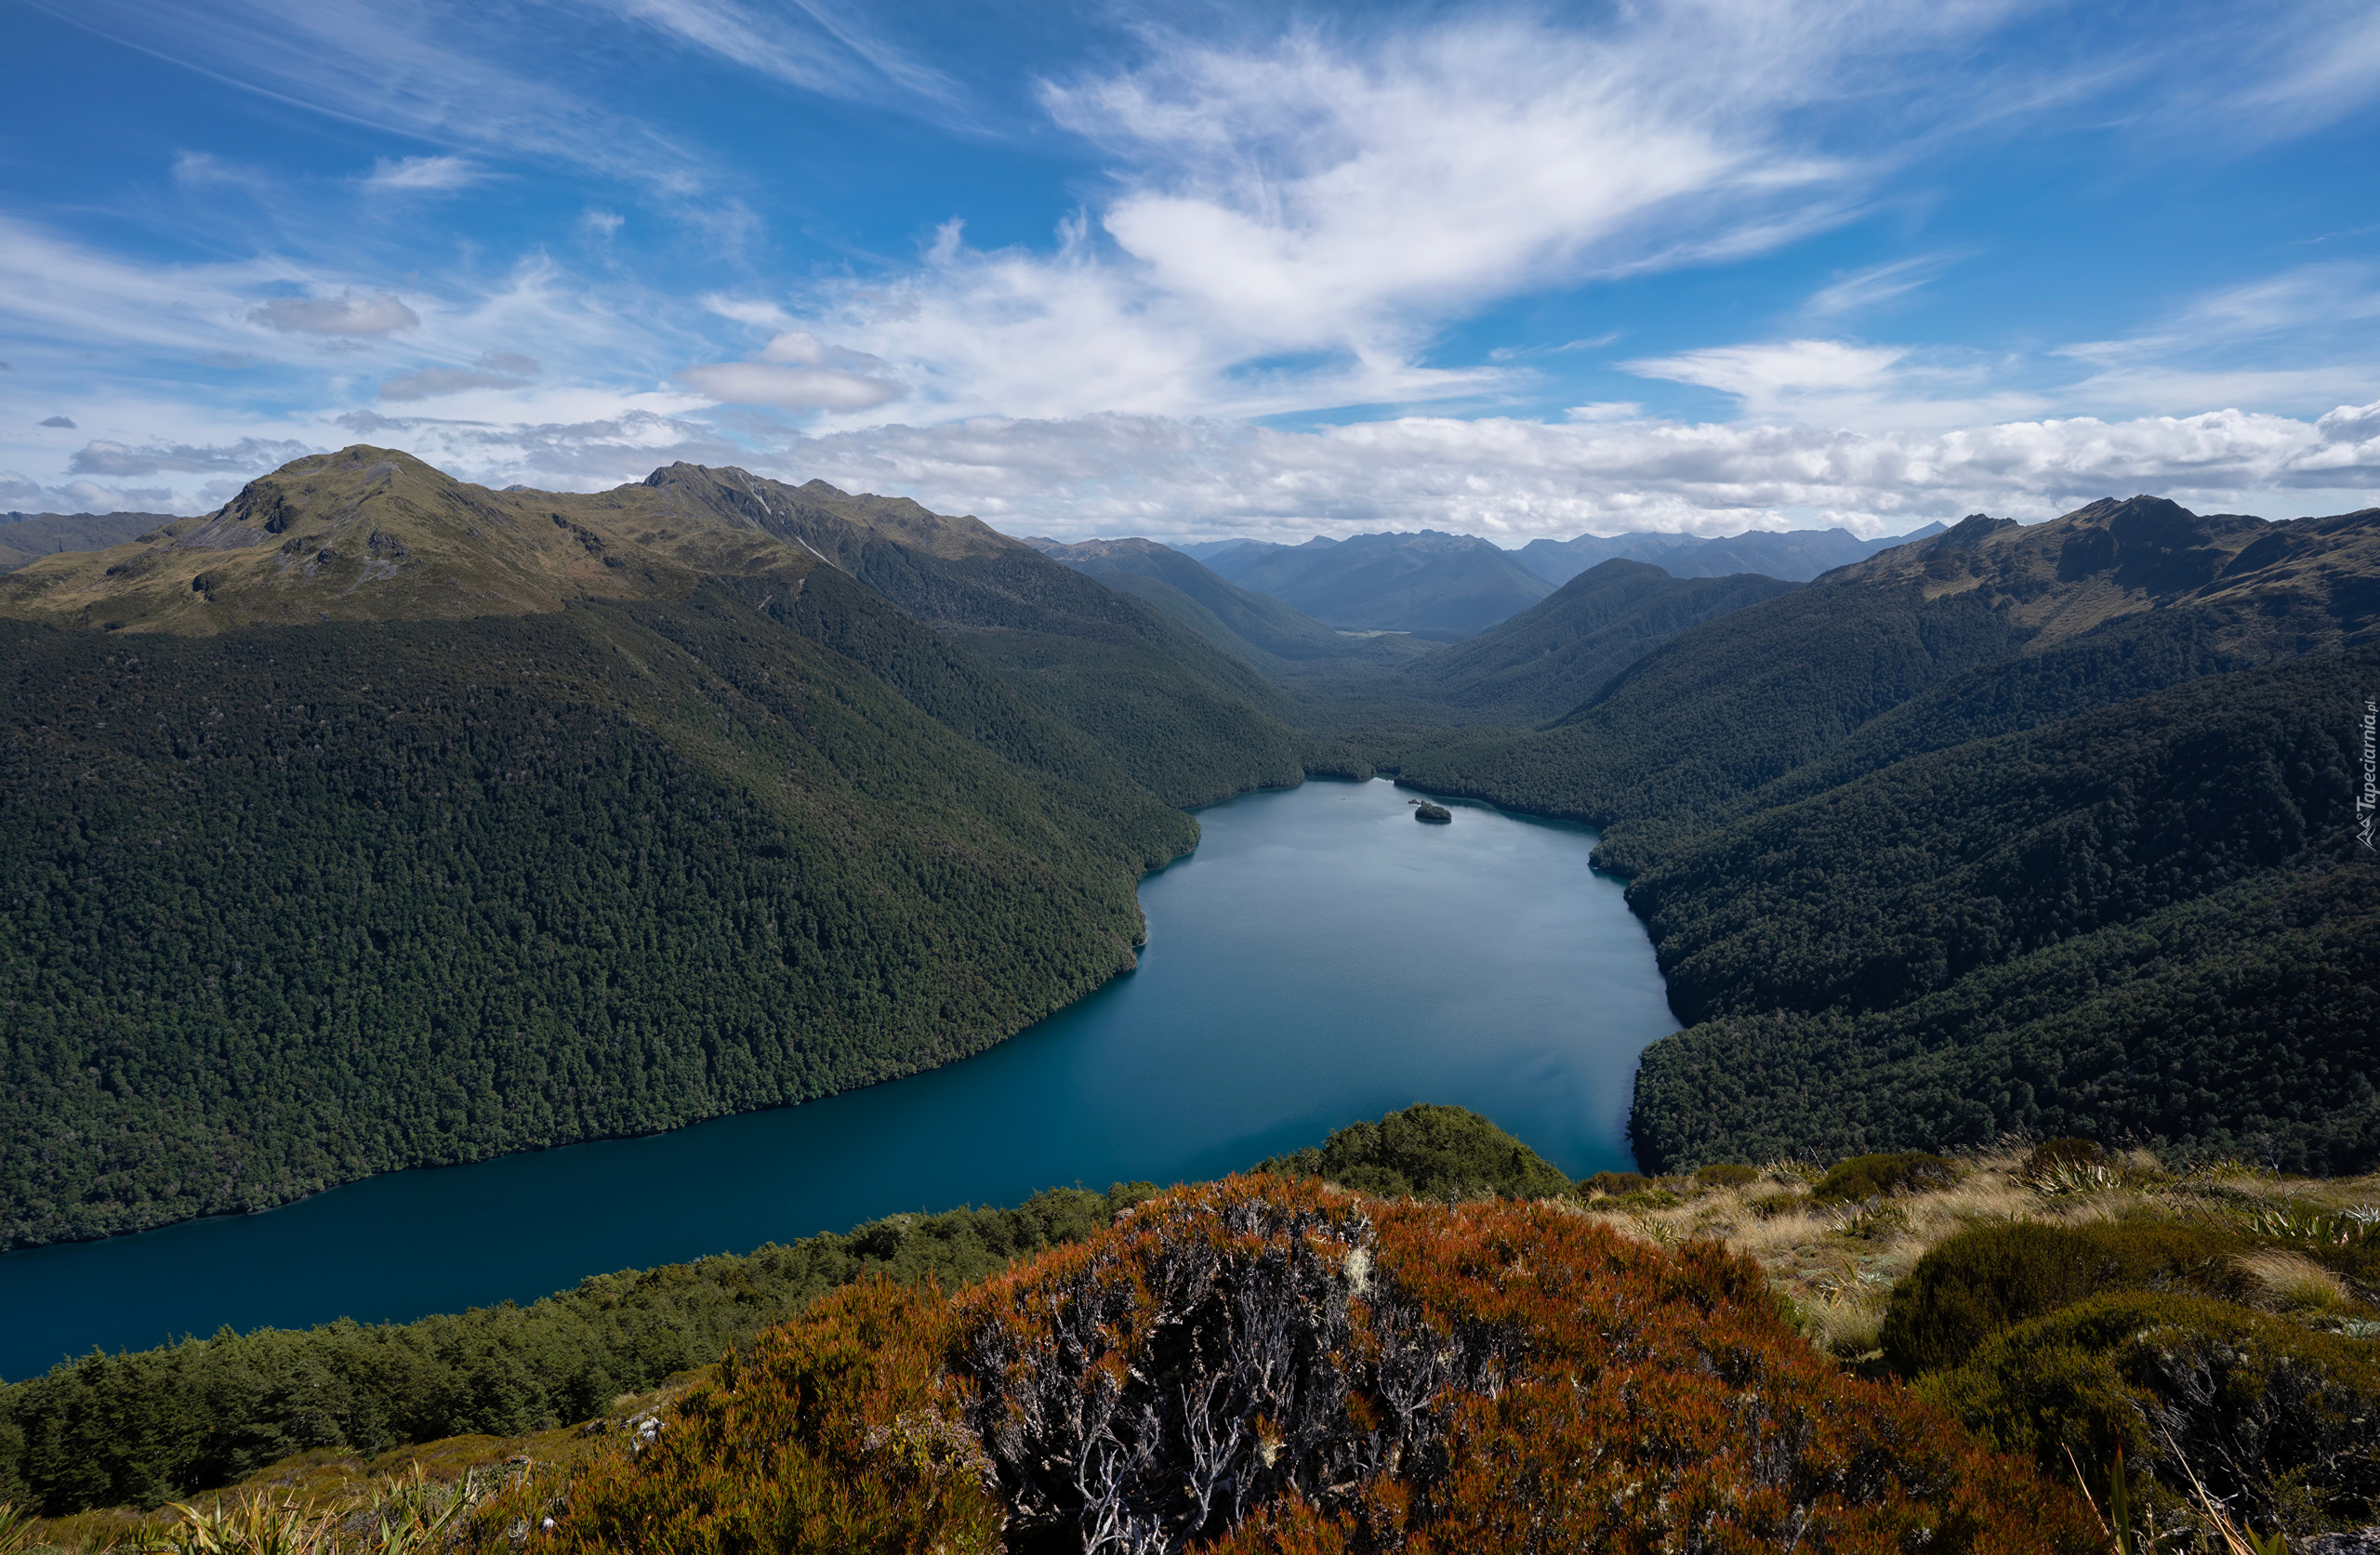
<point>1269,1365</point>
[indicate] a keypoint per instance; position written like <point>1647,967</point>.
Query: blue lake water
<point>1322,957</point>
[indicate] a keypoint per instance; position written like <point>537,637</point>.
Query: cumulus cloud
<point>21,494</point>
<point>1512,480</point>
<point>252,455</point>
<point>554,455</point>
<point>799,372</point>
<point>422,175</point>
<point>495,370</point>
<point>347,314</point>
<point>66,422</point>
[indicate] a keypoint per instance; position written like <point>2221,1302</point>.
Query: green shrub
<point>2276,1421</point>
<point>1614,1184</point>
<point>1874,1177</point>
<point>1975,1284</point>
<point>1428,1152</point>
<point>1724,1174</point>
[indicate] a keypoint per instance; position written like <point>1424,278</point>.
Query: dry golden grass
<point>1838,1263</point>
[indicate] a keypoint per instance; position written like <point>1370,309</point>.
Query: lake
<point>1322,957</point>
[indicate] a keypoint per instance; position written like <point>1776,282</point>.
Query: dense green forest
<point>2239,1024</point>
<point>563,816</point>
<point>1920,874</point>
<point>143,1427</point>
<point>1187,719</point>
<point>1552,657</point>
<point>288,907</point>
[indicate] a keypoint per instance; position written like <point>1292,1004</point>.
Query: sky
<point>1208,269</point>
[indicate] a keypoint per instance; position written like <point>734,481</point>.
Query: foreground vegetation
<point>1466,1355</point>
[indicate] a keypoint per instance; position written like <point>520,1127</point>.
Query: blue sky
<point>1207,268</point>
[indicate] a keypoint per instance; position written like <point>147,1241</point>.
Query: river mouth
<point>1320,958</point>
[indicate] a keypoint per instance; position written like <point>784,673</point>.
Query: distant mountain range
<point>1794,555</point>
<point>24,536</point>
<point>1448,587</point>
<point>1444,586</point>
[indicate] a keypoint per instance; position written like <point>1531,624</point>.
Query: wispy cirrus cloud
<point>438,72</point>
<point>428,174</point>
<point>809,44</point>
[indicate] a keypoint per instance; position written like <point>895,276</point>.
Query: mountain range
<point>378,819</point>
<point>24,536</point>
<point>1433,584</point>
<point>1794,555</point>
<point>2046,829</point>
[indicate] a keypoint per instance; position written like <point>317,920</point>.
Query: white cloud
<point>799,372</point>
<point>422,175</point>
<point>810,43</point>
<point>495,370</point>
<point>1839,383</point>
<point>433,70</point>
<point>1874,286</point>
<point>21,494</point>
<point>250,456</point>
<point>1512,480</point>
<point>1290,223</point>
<point>346,314</point>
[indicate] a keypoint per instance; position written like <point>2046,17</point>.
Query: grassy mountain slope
<point>2288,588</point>
<point>1558,652</point>
<point>651,819</point>
<point>1442,586</point>
<point>25,536</point>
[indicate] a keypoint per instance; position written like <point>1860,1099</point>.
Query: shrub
<point>1614,1184</point>
<point>836,1432</point>
<point>1726,1175</point>
<point>1428,1152</point>
<point>2275,1420</point>
<point>1269,1364</point>
<point>1971,1285</point>
<point>1875,1176</point>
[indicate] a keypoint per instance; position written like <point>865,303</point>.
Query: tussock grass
<point>1837,1263</point>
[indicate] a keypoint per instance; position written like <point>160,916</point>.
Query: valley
<point>797,858</point>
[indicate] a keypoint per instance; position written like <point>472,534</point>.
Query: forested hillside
<point>1273,637</point>
<point>1552,656</point>
<point>1184,717</point>
<point>381,821</point>
<point>2043,829</point>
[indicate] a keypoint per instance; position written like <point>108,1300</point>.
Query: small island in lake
<point>1438,813</point>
